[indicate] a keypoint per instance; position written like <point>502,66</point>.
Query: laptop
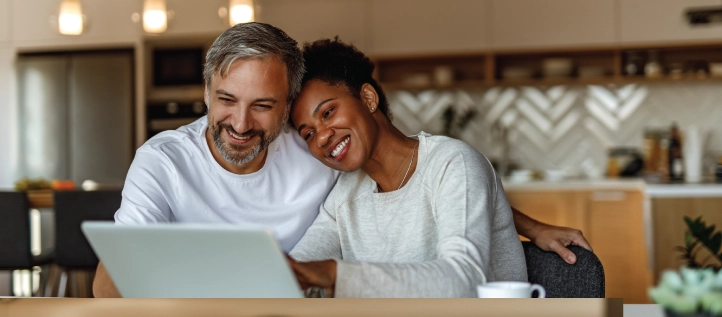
<point>192,260</point>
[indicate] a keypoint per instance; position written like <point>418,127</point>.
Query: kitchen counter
<point>576,185</point>
<point>632,184</point>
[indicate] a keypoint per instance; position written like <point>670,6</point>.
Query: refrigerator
<point>76,115</point>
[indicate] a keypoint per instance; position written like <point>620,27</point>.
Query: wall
<point>568,128</point>
<point>8,124</point>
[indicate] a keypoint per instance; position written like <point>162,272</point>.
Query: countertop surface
<point>652,190</point>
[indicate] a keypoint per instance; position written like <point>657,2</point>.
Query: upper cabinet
<point>4,23</point>
<point>310,20</point>
<point>428,26</point>
<point>552,23</point>
<point>193,17</point>
<point>664,20</point>
<point>107,22</point>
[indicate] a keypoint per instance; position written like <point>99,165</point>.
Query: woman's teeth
<point>340,147</point>
<point>238,137</point>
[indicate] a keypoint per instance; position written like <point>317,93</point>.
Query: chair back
<point>14,231</point>
<point>72,250</point>
<point>584,279</point>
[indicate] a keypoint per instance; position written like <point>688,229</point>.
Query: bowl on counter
<point>557,67</point>
<point>516,73</point>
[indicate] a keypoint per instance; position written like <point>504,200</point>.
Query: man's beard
<point>237,154</point>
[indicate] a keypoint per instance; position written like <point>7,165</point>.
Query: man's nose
<point>243,120</point>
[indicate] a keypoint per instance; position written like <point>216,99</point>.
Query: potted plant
<point>696,290</point>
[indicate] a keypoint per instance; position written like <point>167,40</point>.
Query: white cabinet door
<point>4,23</point>
<point>552,23</point>
<point>422,26</point>
<point>664,20</point>
<point>195,17</point>
<point>108,22</point>
<point>310,20</point>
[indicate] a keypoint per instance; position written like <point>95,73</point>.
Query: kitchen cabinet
<point>194,17</point>
<point>428,26</point>
<point>669,227</point>
<point>612,222</point>
<point>108,22</point>
<point>552,23</point>
<point>310,20</point>
<point>663,20</point>
<point>616,233</point>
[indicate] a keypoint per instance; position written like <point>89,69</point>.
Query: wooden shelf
<point>485,69</point>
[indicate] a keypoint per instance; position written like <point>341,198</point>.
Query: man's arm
<point>549,237</point>
<point>103,286</point>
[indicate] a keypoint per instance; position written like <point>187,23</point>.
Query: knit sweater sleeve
<point>321,240</point>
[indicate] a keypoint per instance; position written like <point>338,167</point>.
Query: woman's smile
<point>340,148</point>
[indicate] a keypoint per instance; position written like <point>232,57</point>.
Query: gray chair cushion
<point>584,279</point>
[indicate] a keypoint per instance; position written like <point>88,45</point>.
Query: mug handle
<point>540,289</point>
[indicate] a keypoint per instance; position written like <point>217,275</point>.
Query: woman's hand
<point>556,239</point>
<point>316,273</point>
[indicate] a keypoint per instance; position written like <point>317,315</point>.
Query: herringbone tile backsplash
<point>562,127</point>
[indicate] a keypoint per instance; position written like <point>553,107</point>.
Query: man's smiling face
<point>247,108</point>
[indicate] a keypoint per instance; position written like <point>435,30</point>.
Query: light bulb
<point>241,11</point>
<point>70,20</point>
<point>155,17</point>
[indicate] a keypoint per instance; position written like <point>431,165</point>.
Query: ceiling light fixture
<point>238,11</point>
<point>70,19</point>
<point>155,16</point>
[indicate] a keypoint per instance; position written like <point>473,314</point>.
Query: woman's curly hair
<point>337,63</point>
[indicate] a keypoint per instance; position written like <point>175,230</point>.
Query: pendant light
<point>155,16</point>
<point>70,19</point>
<point>238,11</point>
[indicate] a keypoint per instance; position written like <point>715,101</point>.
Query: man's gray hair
<point>255,40</point>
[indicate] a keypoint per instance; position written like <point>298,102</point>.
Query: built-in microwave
<point>177,66</point>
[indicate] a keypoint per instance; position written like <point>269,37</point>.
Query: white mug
<point>509,290</point>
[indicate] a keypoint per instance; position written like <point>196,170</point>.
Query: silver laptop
<point>192,260</point>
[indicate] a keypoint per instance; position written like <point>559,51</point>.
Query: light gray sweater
<point>449,229</point>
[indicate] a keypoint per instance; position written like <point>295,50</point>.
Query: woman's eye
<point>327,113</point>
<point>308,135</point>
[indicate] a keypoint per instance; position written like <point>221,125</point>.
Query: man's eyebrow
<point>267,99</point>
<point>223,92</point>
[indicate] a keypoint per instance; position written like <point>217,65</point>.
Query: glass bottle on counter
<point>676,168</point>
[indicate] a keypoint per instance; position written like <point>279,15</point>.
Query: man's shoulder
<point>181,141</point>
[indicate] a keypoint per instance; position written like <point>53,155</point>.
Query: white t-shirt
<point>174,178</point>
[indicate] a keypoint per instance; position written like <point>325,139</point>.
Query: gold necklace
<point>378,187</point>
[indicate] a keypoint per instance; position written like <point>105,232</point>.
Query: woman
<point>420,216</point>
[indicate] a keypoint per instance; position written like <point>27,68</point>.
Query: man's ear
<point>286,113</point>
<point>370,97</point>
<point>206,97</point>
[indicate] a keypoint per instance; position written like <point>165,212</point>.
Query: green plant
<point>456,121</point>
<point>689,291</point>
<point>697,237</point>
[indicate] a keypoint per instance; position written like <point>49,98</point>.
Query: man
<point>240,164</point>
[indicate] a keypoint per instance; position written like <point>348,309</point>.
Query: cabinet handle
<point>609,196</point>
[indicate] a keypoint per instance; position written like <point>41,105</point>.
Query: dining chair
<point>15,245</point>
<point>73,253</point>
<point>584,279</point>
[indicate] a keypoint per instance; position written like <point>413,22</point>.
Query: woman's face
<point>338,127</point>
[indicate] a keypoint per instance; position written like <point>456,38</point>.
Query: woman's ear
<point>370,97</point>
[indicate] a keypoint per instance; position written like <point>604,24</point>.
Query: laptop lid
<point>192,260</point>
